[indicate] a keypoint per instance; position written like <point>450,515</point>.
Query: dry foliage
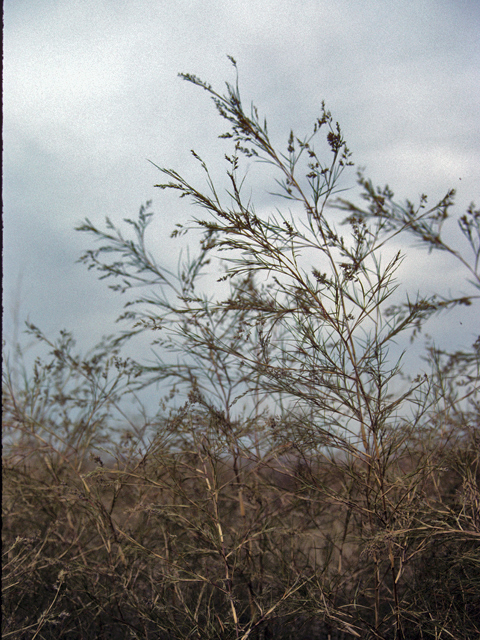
<point>342,501</point>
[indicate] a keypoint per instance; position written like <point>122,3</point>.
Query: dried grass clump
<point>296,482</point>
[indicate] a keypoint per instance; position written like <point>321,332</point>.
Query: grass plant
<point>297,481</point>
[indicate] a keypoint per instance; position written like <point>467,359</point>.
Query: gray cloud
<point>91,93</point>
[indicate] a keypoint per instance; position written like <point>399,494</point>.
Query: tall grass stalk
<point>297,481</point>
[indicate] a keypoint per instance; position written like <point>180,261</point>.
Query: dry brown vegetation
<point>340,509</point>
<point>194,544</point>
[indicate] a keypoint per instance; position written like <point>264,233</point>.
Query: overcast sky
<point>91,94</point>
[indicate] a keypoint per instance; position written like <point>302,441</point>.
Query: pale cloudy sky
<point>91,94</point>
